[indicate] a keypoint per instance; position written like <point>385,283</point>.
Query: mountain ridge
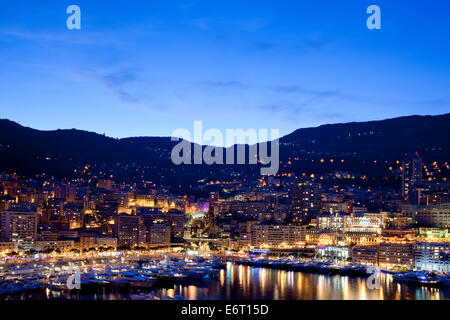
<point>59,152</point>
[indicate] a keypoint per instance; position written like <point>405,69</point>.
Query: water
<point>248,283</point>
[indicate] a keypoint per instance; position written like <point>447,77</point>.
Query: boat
<point>144,296</point>
<point>445,279</point>
<point>142,281</point>
<point>419,278</point>
<point>354,270</point>
<point>215,263</point>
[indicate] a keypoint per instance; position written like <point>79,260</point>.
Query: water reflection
<point>249,283</point>
<point>243,282</point>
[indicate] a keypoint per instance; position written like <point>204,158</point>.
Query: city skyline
<point>240,152</point>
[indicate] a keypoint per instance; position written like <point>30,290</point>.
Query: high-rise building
<point>73,213</point>
<point>174,220</point>
<point>411,178</point>
<point>105,184</point>
<point>305,200</point>
<point>159,234</point>
<point>20,227</point>
<point>213,199</point>
<point>128,230</point>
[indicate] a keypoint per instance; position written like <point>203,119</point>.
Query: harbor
<point>191,278</point>
<point>113,275</point>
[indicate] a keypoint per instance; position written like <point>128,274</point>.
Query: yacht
<point>420,278</point>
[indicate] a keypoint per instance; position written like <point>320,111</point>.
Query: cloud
<point>296,97</point>
<point>312,45</point>
<point>116,81</point>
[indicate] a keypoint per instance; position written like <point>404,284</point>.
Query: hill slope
<point>28,151</point>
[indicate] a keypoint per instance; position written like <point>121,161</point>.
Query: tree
<point>30,252</point>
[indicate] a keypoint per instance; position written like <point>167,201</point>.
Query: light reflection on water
<point>243,282</point>
<point>239,282</point>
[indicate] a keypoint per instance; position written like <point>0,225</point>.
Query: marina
<point>172,278</point>
<point>109,275</point>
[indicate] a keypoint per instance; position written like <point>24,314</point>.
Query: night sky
<point>146,68</point>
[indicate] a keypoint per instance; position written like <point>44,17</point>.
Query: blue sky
<point>146,68</point>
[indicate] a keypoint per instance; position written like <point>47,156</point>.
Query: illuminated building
<point>128,230</point>
<point>145,200</point>
<point>369,223</point>
<point>73,213</point>
<point>396,254</point>
<point>365,255</point>
<point>52,210</point>
<point>434,198</point>
<point>276,235</point>
<point>66,191</point>
<point>305,200</point>
<point>402,222</point>
<point>431,256</point>
<point>434,233</point>
<point>332,222</point>
<point>280,216</point>
<point>62,246</point>
<point>174,220</point>
<point>213,200</point>
<point>5,201</point>
<point>361,238</point>
<point>8,247</point>
<point>106,242</point>
<point>245,240</point>
<point>20,227</point>
<point>320,237</point>
<point>372,223</point>
<point>249,209</point>
<point>335,207</point>
<point>46,235</point>
<point>87,241</point>
<point>411,178</point>
<point>105,184</point>
<point>334,252</point>
<point>265,216</point>
<point>394,234</point>
<point>159,234</point>
<point>437,216</point>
